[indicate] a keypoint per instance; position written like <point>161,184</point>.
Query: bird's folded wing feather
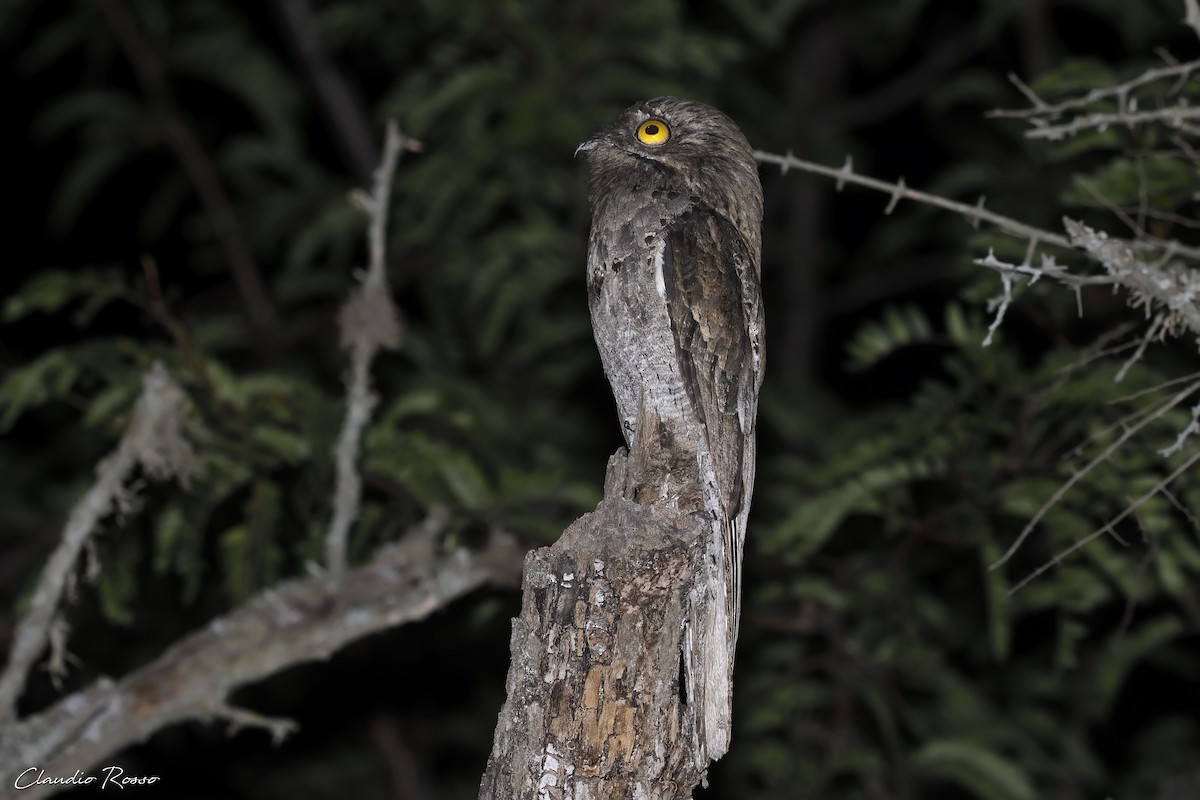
<point>714,302</point>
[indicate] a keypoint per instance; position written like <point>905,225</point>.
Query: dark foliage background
<point>879,656</point>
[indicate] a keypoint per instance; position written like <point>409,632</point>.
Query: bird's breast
<point>630,318</point>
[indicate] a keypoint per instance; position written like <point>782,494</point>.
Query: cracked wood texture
<point>619,685</point>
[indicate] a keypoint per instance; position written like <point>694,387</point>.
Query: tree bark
<point>619,685</point>
<point>293,622</point>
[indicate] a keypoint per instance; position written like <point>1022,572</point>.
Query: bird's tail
<point>734,535</point>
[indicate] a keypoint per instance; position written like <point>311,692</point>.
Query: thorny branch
<point>1161,281</point>
<point>1109,106</point>
<point>899,190</point>
<point>369,322</point>
<point>154,441</point>
<point>1174,117</point>
<point>1041,112</point>
<point>1146,266</point>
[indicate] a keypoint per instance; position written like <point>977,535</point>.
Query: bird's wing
<point>714,301</point>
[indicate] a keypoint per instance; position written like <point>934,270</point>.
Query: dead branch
<point>897,191</point>
<point>197,165</point>
<point>1079,475</point>
<point>1160,282</point>
<point>1110,526</point>
<point>369,322</point>
<point>1168,291</point>
<point>1166,284</point>
<point>287,624</point>
<point>1119,94</point>
<point>1172,116</point>
<point>341,109</point>
<point>153,441</point>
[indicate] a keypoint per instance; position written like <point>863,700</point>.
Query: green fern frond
<point>901,326</point>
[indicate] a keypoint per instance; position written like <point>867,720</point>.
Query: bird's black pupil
<point>651,130</point>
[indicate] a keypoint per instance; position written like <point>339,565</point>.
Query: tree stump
<point>621,673</point>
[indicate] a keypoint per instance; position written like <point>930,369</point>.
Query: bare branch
<point>159,310</point>
<point>1119,94</point>
<point>1191,429</point>
<point>1079,475</point>
<point>290,623</point>
<point>197,165</point>
<point>1155,329</point>
<point>1172,116</point>
<point>1129,419</point>
<point>999,305</point>
<point>1169,285</point>
<point>153,440</point>
<point>1049,268</point>
<point>1103,201</point>
<point>239,718</point>
<point>1158,387</point>
<point>341,109</point>
<point>1161,282</point>
<point>898,190</point>
<point>1108,526</point>
<point>1106,107</point>
<point>369,322</point>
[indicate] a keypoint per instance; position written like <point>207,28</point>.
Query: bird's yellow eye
<point>653,132</point>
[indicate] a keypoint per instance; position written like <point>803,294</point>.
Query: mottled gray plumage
<point>673,288</point>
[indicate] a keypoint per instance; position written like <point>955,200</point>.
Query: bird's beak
<point>588,144</point>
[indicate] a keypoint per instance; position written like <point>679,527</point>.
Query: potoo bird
<point>676,307</point>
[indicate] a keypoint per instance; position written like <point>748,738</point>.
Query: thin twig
<point>1154,330</point>
<point>1155,389</point>
<point>197,165</point>
<point>1049,268</point>
<point>1097,350</point>
<point>1119,93</point>
<point>1191,429</point>
<point>1132,601</point>
<point>240,718</point>
<point>898,190</point>
<point>1000,305</point>
<point>1168,284</point>
<point>1112,207</point>
<point>1129,419</point>
<point>341,110</point>
<point>1172,116</point>
<point>369,322</point>
<point>154,441</point>
<point>1080,474</point>
<point>1108,526</point>
<point>162,313</point>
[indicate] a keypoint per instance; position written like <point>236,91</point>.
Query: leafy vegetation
<point>883,654</point>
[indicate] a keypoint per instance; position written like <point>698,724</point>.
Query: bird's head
<point>673,143</point>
